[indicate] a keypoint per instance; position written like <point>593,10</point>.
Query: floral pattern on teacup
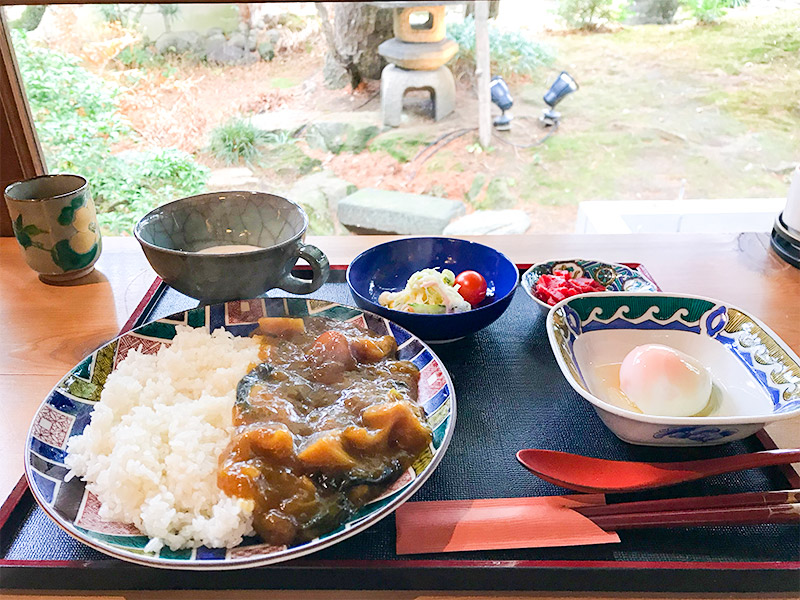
<point>77,251</point>
<point>26,233</point>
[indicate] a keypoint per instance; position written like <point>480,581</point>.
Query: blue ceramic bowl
<point>387,267</point>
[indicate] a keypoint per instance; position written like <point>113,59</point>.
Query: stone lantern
<point>416,55</point>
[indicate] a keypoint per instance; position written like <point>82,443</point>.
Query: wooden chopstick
<point>721,501</point>
<point>729,509</point>
<point>744,515</point>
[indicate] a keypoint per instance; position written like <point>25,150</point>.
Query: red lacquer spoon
<point>585,474</point>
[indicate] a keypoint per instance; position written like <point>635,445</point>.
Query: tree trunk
<point>30,18</point>
<point>494,8</point>
<point>353,40</point>
<point>483,73</point>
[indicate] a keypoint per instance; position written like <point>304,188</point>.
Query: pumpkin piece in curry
<point>323,426</point>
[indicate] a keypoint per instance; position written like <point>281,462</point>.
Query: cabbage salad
<point>428,291</point>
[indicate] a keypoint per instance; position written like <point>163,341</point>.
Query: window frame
<point>21,154</point>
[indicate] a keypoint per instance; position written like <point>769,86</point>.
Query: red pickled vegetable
<point>552,289</point>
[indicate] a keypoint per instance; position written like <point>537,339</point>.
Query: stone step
<point>232,178</point>
<point>397,212</point>
<point>490,222</point>
<point>294,120</point>
<point>319,195</point>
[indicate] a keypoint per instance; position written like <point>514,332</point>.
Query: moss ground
<point>663,111</point>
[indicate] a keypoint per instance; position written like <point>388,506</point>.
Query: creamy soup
<point>229,249</point>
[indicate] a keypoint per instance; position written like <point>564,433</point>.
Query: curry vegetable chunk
<point>323,426</point>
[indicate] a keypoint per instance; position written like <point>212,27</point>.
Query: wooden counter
<point>47,329</point>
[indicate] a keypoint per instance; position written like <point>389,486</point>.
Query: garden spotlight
<point>562,86</point>
<point>501,96</point>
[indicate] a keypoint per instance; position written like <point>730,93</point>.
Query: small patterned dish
<point>68,409</point>
<point>756,376</point>
<point>615,277</point>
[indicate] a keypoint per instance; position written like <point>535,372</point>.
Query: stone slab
<point>224,54</point>
<point>340,137</point>
<point>397,212</point>
<point>289,119</point>
<point>326,182</point>
<point>319,194</point>
<point>178,42</point>
<point>232,178</point>
<point>284,119</point>
<point>490,222</point>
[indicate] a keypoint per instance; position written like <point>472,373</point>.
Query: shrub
<point>139,56</point>
<point>236,140</point>
<point>127,15</point>
<point>78,123</point>
<point>587,14</point>
<point>133,183</point>
<point>73,109</point>
<point>654,11</point>
<point>130,15</point>
<point>708,11</point>
<point>511,52</point>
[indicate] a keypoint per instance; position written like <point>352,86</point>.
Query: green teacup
<point>55,223</point>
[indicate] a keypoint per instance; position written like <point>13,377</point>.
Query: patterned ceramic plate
<point>615,277</point>
<point>68,410</point>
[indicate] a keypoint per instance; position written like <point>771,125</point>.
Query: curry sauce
<point>324,425</point>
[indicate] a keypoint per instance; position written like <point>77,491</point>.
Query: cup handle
<point>320,270</point>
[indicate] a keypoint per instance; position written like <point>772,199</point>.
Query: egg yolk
<point>663,381</point>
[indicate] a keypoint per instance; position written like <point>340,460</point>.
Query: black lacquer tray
<point>510,395</point>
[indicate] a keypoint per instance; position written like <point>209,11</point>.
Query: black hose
<point>449,137</point>
<point>538,142</point>
<point>446,138</point>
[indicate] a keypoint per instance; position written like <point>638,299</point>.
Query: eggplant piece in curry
<point>324,425</point>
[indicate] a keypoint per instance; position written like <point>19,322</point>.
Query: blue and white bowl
<point>756,375</point>
<point>615,277</point>
<point>387,267</point>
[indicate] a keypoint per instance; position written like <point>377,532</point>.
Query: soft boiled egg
<point>663,381</point>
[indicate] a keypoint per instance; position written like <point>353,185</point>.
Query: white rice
<point>150,453</point>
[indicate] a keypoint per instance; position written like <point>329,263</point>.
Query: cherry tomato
<point>472,287</point>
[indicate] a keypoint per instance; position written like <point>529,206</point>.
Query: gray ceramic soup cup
<point>173,235</point>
